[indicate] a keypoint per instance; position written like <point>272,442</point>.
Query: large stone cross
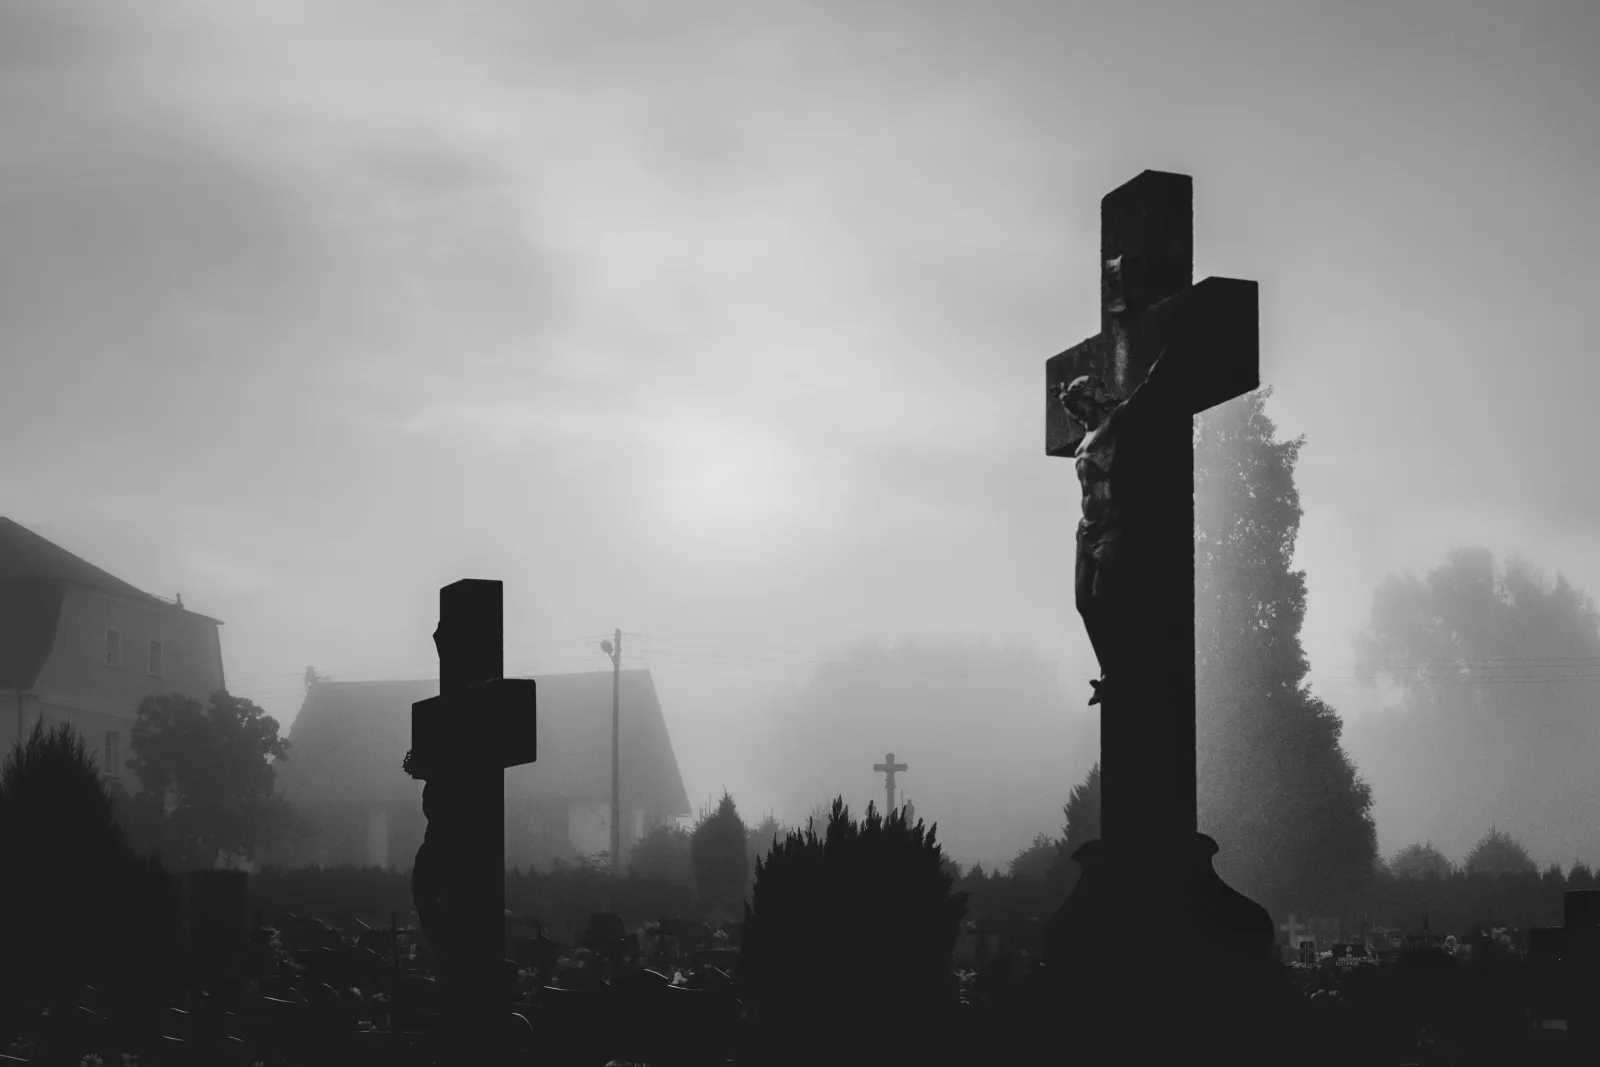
<point>1207,334</point>
<point>888,767</point>
<point>462,742</point>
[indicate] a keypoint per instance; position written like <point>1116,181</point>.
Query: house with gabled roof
<point>80,645</point>
<point>346,747</point>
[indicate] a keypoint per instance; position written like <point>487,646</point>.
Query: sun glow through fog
<point>720,486</point>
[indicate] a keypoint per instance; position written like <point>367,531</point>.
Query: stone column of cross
<point>462,741</point>
<point>1209,333</point>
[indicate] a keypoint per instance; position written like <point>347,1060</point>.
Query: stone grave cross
<point>462,742</point>
<point>1167,350</point>
<point>888,767</point>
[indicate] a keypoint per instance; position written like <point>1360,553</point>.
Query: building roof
<point>27,557</point>
<point>350,738</point>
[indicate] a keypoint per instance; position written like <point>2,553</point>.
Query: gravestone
<point>1122,404</point>
<point>462,742</point>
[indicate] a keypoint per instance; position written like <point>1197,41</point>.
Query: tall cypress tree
<point>1276,789</point>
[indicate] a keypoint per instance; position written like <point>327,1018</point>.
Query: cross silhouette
<point>888,767</point>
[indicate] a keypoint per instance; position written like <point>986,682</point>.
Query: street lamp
<point>615,652</point>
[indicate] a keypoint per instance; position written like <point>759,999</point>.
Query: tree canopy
<point>207,772</point>
<point>1035,861</point>
<point>1276,788</point>
<point>663,854</point>
<point>1493,667</point>
<point>1420,860</point>
<point>1497,854</point>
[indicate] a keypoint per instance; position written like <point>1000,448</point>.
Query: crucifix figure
<point>462,742</point>
<point>1122,405</point>
<point>888,767</point>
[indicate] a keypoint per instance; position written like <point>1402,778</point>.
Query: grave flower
<point>91,1060</point>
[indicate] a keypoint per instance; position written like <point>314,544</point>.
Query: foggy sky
<point>724,323</point>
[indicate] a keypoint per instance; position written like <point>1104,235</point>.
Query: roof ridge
<point>88,573</point>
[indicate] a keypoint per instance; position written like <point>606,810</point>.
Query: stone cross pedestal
<point>462,742</point>
<point>1167,350</point>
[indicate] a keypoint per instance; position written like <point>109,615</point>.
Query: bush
<point>857,927</point>
<point>662,855</point>
<point>717,855</point>
<point>70,879</point>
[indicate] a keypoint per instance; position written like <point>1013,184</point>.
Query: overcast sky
<point>725,323</point>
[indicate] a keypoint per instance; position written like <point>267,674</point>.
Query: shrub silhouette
<point>57,824</point>
<point>663,854</point>
<point>717,855</point>
<point>1497,854</point>
<point>72,882</point>
<point>857,926</point>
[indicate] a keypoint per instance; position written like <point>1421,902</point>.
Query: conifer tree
<point>718,857</point>
<point>1276,789</point>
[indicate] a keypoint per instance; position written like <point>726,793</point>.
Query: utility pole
<point>613,649</point>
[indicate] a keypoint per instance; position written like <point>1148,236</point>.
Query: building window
<point>155,659</point>
<point>113,649</point>
<point>113,752</point>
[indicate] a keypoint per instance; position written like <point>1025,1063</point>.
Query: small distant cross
<point>888,767</point>
<point>1293,929</point>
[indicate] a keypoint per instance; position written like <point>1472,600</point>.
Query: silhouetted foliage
<point>1035,861</point>
<point>1082,812</point>
<point>52,792</point>
<point>1498,854</point>
<point>761,837</point>
<point>876,893</point>
<point>1460,902</point>
<point>877,865</point>
<point>1420,861</point>
<point>209,771</point>
<point>717,853</point>
<point>1276,789</point>
<point>70,879</point>
<point>662,854</point>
